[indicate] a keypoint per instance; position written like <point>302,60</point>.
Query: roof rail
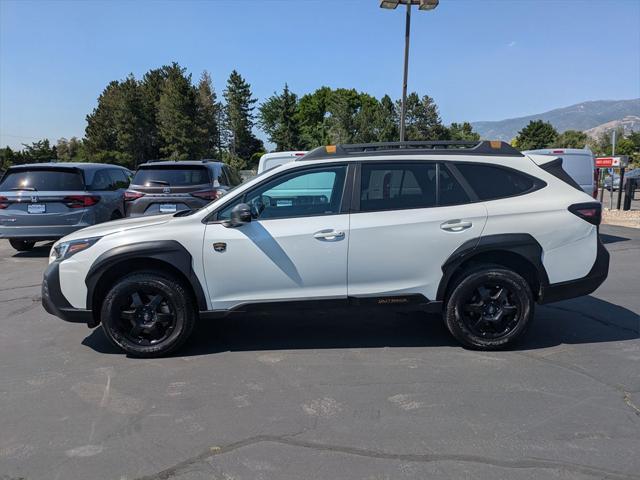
<point>443,147</point>
<point>175,160</point>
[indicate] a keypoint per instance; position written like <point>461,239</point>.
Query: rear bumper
<point>150,204</point>
<point>56,304</point>
<point>581,286</point>
<point>53,232</point>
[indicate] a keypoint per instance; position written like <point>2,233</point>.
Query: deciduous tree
<point>537,134</point>
<point>571,139</point>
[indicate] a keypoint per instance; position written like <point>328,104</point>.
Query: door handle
<point>328,235</point>
<point>455,225</point>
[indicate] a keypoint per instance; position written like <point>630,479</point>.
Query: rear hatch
<point>43,196</point>
<point>171,188</point>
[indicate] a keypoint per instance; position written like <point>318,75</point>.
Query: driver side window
<point>307,193</point>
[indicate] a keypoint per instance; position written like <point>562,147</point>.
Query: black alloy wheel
<point>491,310</point>
<point>148,314</point>
<point>146,317</point>
<point>489,307</point>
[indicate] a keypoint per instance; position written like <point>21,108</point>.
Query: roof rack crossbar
<point>440,147</point>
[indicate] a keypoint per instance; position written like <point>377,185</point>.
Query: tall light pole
<point>422,5</point>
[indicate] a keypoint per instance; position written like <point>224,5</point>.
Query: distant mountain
<point>630,123</point>
<point>582,116</point>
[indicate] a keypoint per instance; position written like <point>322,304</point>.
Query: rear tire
<point>490,308</point>
<point>148,314</point>
<point>22,245</point>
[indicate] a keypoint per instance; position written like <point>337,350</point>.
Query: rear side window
<point>55,180</point>
<point>450,191</point>
<point>119,178</point>
<point>397,186</point>
<point>102,181</point>
<point>219,175</point>
<point>490,182</point>
<point>233,176</point>
<point>171,176</point>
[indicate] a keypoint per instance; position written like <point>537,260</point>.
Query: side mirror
<point>240,214</point>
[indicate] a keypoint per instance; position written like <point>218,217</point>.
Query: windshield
<point>173,176</point>
<point>42,180</point>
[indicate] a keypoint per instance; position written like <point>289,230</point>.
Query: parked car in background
<point>171,186</point>
<point>635,173</point>
<point>578,163</point>
<point>473,230</point>
<point>270,160</point>
<point>46,201</point>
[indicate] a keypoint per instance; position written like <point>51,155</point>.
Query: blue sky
<point>479,59</point>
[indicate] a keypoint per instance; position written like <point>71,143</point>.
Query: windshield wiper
<point>30,189</point>
<point>160,182</point>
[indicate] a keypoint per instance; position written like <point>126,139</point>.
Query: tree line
<point>540,134</point>
<point>166,115</point>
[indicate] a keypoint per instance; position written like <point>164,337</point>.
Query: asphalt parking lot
<point>325,395</point>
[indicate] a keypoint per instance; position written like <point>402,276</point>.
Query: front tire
<point>22,245</point>
<point>148,314</point>
<point>490,308</point>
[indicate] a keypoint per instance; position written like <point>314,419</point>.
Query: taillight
<point>4,202</point>
<point>130,195</point>
<point>596,182</point>
<point>590,212</point>
<point>208,194</point>
<point>80,201</point>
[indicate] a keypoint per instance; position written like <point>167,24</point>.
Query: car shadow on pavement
<point>579,321</point>
<point>607,238</point>
<point>39,251</point>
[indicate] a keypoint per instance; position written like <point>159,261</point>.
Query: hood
<point>117,226</point>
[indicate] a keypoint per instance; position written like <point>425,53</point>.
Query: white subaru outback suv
<point>476,231</point>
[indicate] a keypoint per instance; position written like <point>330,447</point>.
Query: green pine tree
<point>177,123</point>
<point>207,113</point>
<point>463,131</point>
<point>240,105</point>
<point>278,117</point>
<point>422,121</point>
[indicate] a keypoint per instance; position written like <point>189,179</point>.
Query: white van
<point>579,163</point>
<point>270,160</point>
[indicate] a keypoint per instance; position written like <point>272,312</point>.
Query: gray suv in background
<point>171,186</point>
<point>46,201</point>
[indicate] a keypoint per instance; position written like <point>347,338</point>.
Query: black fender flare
<point>521,244</point>
<point>168,251</point>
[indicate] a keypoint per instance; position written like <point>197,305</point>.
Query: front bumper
<point>581,286</point>
<point>56,304</point>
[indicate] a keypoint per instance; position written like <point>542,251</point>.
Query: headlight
<point>64,250</point>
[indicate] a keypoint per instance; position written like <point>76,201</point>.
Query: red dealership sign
<point>608,162</point>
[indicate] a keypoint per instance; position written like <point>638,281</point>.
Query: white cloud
<point>512,43</point>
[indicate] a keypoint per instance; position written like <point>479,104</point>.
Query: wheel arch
<point>165,256</point>
<point>517,251</point>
